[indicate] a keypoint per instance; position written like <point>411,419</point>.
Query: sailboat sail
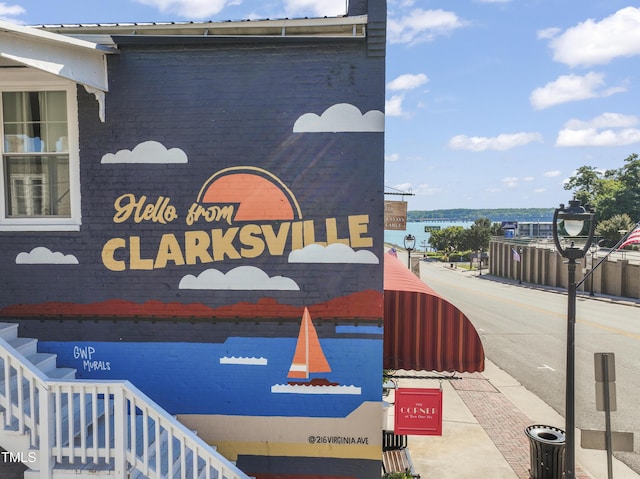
<point>308,357</point>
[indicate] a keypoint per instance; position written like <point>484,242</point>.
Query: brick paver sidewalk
<point>503,422</point>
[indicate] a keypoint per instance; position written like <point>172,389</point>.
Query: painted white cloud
<point>598,42</point>
<point>196,9</point>
<point>407,81</point>
<point>422,26</point>
<point>333,253</point>
<point>572,87</point>
<point>608,129</point>
<point>342,117</point>
<point>504,141</point>
<point>147,152</point>
<point>42,255</point>
<point>241,278</point>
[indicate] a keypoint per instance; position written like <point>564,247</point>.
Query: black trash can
<point>547,448</point>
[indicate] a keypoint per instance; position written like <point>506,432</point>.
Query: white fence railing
<point>98,425</point>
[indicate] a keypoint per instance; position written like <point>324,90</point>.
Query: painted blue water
<point>188,378</point>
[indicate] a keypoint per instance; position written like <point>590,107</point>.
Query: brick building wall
<point>218,123</point>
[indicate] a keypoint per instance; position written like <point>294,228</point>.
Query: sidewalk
<point>484,417</point>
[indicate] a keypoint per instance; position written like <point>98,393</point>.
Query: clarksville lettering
<point>236,242</point>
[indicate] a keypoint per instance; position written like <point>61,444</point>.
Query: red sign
<point>418,412</point>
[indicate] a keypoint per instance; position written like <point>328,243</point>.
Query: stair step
<point>25,346</point>
<point>8,331</point>
<point>45,362</point>
<point>62,373</point>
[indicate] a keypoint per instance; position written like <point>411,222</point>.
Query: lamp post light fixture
<point>409,245</point>
<point>570,223</point>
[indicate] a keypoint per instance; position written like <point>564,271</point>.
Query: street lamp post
<point>569,223</point>
<point>409,245</point>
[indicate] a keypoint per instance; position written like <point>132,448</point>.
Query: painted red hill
<point>364,305</point>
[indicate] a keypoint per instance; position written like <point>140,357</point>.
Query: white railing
<point>99,425</point>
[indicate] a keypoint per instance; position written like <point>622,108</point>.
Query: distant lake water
<point>416,228</point>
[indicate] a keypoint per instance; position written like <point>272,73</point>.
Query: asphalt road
<point>523,330</point>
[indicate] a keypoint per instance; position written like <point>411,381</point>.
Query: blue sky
<point>489,103</point>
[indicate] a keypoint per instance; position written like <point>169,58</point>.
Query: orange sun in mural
<point>258,194</point>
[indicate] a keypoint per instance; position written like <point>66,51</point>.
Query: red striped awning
<point>422,330</point>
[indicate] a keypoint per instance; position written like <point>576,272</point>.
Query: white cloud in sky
<point>548,33</point>
<point>552,173</point>
<point>9,12</point>
<point>571,87</point>
<point>606,120</point>
<point>511,181</point>
<point>42,255</point>
<point>333,253</point>
<point>197,9</point>
<point>608,129</point>
<point>598,42</point>
<point>243,278</point>
<point>504,141</point>
<point>423,189</point>
<point>422,26</point>
<point>404,187</point>
<point>392,157</point>
<point>539,190</point>
<point>147,152</point>
<point>329,8</point>
<point>593,137</point>
<point>407,81</point>
<point>393,106</point>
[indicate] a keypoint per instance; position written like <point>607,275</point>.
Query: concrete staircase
<point>62,427</point>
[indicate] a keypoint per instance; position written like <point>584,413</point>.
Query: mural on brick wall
<point>233,245</point>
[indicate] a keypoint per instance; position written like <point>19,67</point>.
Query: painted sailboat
<point>309,358</point>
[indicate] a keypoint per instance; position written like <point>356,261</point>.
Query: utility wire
<point>604,258</point>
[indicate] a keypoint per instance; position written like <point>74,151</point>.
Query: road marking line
<point>545,366</point>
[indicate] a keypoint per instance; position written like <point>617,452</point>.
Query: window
<point>39,158</point>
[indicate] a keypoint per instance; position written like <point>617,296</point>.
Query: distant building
<point>534,229</point>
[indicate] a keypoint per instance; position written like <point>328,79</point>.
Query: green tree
<point>628,197</point>
<point>611,192</point>
<point>448,239</point>
<point>477,237</point>
<point>585,184</point>
<point>613,229</point>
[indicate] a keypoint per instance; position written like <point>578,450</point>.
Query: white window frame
<point>25,79</point>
